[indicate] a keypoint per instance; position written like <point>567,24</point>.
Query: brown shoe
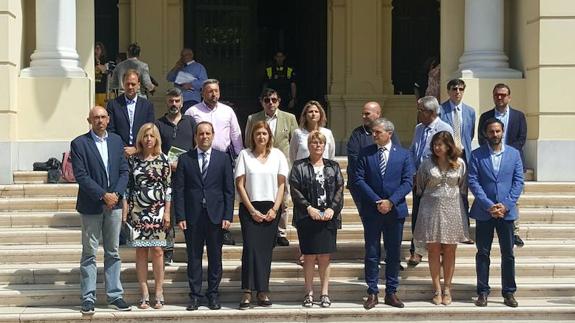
<point>414,260</point>
<point>264,299</point>
<point>393,300</point>
<point>371,301</point>
<point>481,300</point>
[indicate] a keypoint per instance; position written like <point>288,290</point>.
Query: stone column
<point>484,56</point>
<point>55,54</point>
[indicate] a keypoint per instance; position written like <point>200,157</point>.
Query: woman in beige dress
<point>442,218</point>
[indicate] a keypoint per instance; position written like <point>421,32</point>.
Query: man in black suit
<point>101,171</point>
<point>204,204</point>
<point>514,130</point>
<point>128,112</point>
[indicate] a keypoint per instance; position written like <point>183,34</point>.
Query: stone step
<point>68,203</point>
<point>465,267</point>
<point>550,250</point>
<point>348,232</point>
<point>531,309</point>
<point>64,219</point>
<point>341,290</point>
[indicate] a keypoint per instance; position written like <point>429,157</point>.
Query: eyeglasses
<point>455,89</point>
<point>268,100</point>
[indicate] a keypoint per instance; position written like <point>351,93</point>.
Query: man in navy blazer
<point>383,177</point>
<point>496,181</point>
<point>454,111</point>
<point>204,204</point>
<point>101,171</point>
<point>128,112</point>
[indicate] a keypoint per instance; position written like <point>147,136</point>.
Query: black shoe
<point>193,304</point>
<point>509,300</point>
<point>282,241</point>
<point>120,305</point>
<point>87,307</point>
<point>214,303</point>
<point>228,238</point>
<point>168,257</point>
<point>517,241</point>
<point>481,300</point>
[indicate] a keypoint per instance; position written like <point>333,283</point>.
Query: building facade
<point>47,68</point>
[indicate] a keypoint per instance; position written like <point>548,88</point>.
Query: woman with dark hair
<point>101,74</point>
<point>442,218</point>
<point>146,210</point>
<point>316,186</point>
<point>261,173</point>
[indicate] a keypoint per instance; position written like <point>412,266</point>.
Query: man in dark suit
<point>496,180</point>
<point>514,133</point>
<point>101,171</point>
<point>383,177</point>
<point>204,204</point>
<point>128,112</point>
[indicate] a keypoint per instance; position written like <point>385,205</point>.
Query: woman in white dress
<point>312,118</point>
<point>261,173</point>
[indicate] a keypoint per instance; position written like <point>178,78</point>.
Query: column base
<point>53,71</point>
<point>551,160</point>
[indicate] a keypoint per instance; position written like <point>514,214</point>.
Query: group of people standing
<point>187,168</point>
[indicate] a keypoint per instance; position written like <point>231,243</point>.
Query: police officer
<point>282,79</point>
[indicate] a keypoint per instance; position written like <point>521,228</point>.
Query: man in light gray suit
<point>133,63</point>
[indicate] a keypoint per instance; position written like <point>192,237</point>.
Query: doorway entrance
<point>236,39</point>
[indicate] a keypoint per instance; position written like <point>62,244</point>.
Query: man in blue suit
<point>101,171</point>
<point>204,203</point>
<point>128,112</point>
<point>459,116</point>
<point>496,181</point>
<point>514,133</point>
<point>383,177</point>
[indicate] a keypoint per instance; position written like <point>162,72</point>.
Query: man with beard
<point>177,133</point>
<point>496,181</point>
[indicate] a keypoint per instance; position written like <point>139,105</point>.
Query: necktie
<point>422,144</point>
<point>204,166</point>
<point>457,127</point>
<point>382,161</point>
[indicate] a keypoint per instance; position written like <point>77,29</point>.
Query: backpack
<point>67,170</point>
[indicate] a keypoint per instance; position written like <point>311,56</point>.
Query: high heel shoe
<point>246,301</point>
<point>436,298</point>
<point>446,297</point>
<point>144,302</point>
<point>159,302</point>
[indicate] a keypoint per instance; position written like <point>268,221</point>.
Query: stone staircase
<point>40,251</point>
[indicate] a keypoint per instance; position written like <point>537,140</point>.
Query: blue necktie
<point>204,166</point>
<point>382,161</point>
<point>422,144</point>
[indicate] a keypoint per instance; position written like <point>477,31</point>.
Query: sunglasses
<point>455,89</point>
<point>273,100</point>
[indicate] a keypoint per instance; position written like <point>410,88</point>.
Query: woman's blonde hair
<point>155,133</point>
<point>316,135</point>
<point>322,116</point>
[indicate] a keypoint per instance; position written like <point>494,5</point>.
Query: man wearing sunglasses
<point>177,133</point>
<point>514,130</point>
<point>282,125</point>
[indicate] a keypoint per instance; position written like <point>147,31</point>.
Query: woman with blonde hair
<point>261,173</point>
<point>442,219</point>
<point>312,118</point>
<point>316,186</point>
<point>146,210</point>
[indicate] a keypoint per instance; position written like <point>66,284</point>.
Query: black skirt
<point>258,244</point>
<point>316,237</point>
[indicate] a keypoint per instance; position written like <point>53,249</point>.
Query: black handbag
<point>51,163</point>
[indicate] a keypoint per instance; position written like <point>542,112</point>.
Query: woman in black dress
<point>316,186</point>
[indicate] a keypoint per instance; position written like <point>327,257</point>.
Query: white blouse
<point>261,182</point>
<point>298,144</point>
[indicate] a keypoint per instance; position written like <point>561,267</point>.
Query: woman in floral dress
<point>147,210</point>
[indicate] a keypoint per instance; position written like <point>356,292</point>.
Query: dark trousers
<point>258,245</point>
<point>484,238</point>
<point>414,212</point>
<point>204,232</point>
<point>392,229</point>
